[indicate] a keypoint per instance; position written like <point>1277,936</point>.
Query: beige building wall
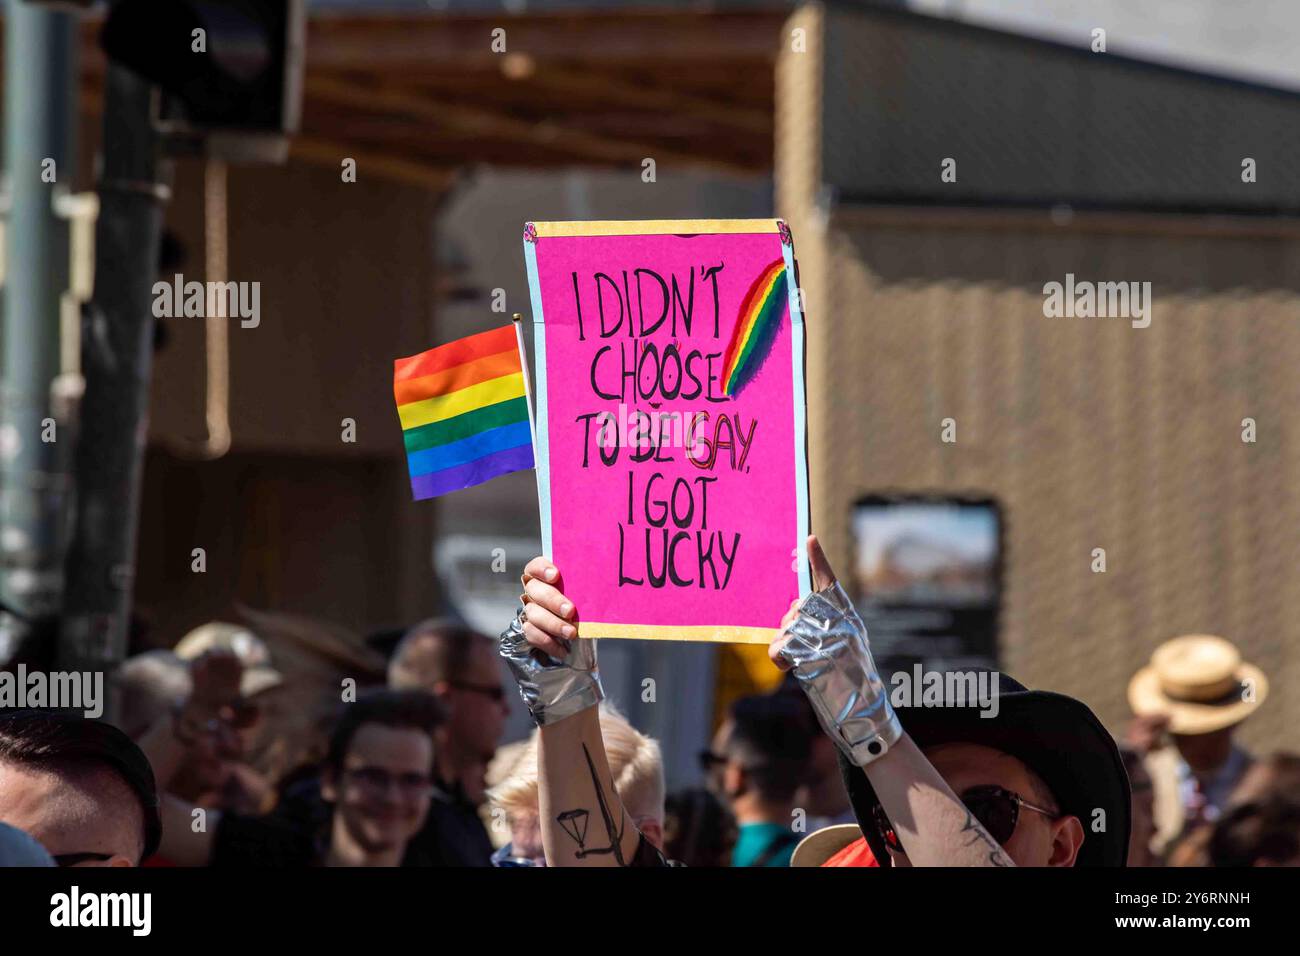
<point>1091,433</point>
<point>295,518</point>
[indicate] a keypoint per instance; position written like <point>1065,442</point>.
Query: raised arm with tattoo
<point>582,819</point>
<point>825,643</point>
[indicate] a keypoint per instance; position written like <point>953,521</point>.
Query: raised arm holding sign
<point>672,482</point>
<point>583,821</point>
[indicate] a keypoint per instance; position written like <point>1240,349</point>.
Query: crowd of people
<point>217,758</point>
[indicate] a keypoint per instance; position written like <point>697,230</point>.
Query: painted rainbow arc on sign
<point>756,327</point>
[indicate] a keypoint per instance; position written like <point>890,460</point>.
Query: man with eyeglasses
<point>378,776</point>
<point>79,787</point>
<point>1040,784</point>
<point>458,666</point>
<point>376,784</point>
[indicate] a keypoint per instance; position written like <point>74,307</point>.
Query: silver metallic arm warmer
<point>829,654</point>
<point>552,689</point>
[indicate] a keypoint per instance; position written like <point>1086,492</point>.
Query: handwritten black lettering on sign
<point>656,356</point>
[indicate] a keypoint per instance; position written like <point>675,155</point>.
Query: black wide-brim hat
<point>1056,736</point>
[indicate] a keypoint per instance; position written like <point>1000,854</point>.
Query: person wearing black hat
<point>1039,784</point>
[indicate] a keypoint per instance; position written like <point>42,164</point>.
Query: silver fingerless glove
<point>552,689</point>
<point>829,654</point>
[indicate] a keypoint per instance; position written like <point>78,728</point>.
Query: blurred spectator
<point>258,675</point>
<point>213,772</point>
<point>1192,848</point>
<point>376,783</point>
<point>244,788</point>
<point>460,667</point>
<point>698,829</point>
<point>1198,690</point>
<point>315,657</point>
<point>759,759</point>
<point>1276,775</point>
<point>150,685</point>
<point>19,849</point>
<point>1269,782</point>
<point>822,795</point>
<point>197,748</point>
<point>80,787</point>
<point>1257,834</point>
<point>507,760</point>
<point>637,769</point>
<point>1143,816</point>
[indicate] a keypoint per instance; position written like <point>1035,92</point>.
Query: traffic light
<point>232,69</point>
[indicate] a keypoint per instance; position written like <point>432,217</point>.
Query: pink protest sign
<point>670,432</point>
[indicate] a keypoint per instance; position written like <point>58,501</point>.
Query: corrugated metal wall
<point>1092,433</point>
<point>1031,121</point>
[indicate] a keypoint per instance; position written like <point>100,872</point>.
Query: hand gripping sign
<point>671,461</point>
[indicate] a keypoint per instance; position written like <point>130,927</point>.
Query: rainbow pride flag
<point>464,412</point>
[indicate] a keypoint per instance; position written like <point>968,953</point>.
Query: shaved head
<point>91,811</point>
<point>81,787</point>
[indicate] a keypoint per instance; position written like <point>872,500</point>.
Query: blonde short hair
<point>634,762</point>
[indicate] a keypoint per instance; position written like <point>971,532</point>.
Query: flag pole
<point>528,381</point>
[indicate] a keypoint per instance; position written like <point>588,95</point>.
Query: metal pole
<point>40,102</point>
<point>133,190</point>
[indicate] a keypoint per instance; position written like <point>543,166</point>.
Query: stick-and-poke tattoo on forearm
<point>997,856</point>
<point>574,822</point>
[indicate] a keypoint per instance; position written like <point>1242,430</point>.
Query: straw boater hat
<point>1200,682</point>
<point>820,845</point>
<point>252,652</point>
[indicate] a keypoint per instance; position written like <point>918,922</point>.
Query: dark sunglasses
<point>495,691</point>
<point>708,760</point>
<point>996,808</point>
